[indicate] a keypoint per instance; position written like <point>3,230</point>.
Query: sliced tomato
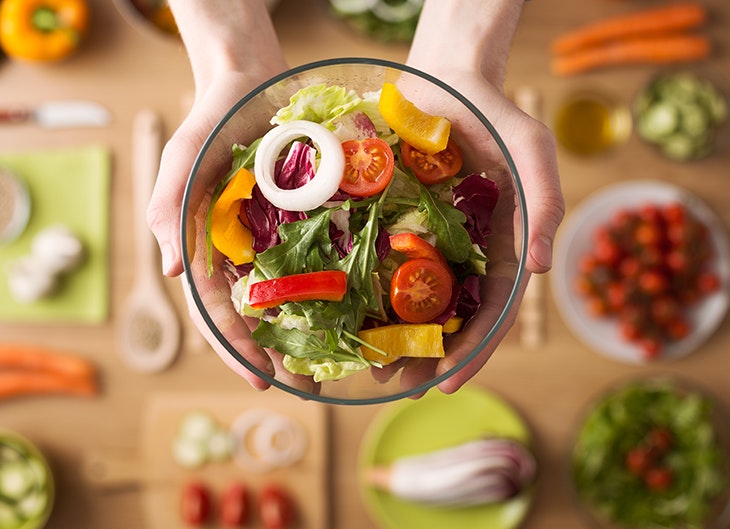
<point>368,166</point>
<point>415,247</point>
<point>327,285</point>
<point>420,290</point>
<point>235,509</point>
<point>276,508</point>
<point>195,504</point>
<point>433,168</point>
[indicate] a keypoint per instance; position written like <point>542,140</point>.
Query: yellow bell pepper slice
<point>228,234</point>
<point>427,133</point>
<point>416,340</point>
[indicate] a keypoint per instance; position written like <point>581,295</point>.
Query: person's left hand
<point>532,147</point>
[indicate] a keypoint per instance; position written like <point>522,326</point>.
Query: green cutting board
<point>71,187</point>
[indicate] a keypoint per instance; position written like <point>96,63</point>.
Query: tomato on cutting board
<point>433,168</point>
<point>195,504</point>
<point>235,508</point>
<point>369,166</point>
<point>276,508</point>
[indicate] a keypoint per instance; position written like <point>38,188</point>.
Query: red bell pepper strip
<point>328,285</point>
<point>415,247</point>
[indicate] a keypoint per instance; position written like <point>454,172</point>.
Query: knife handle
<point>15,115</point>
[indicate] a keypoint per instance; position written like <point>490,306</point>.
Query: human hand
<point>532,147</point>
<point>225,68</point>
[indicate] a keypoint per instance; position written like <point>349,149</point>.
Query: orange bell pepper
<point>228,234</point>
<point>42,30</point>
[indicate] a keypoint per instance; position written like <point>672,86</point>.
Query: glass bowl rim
<point>519,192</point>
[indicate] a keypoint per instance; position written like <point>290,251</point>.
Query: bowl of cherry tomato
<point>642,271</point>
<point>348,218</point>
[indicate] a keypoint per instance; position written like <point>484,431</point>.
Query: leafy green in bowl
<point>652,454</point>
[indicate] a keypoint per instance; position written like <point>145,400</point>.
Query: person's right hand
<point>232,48</point>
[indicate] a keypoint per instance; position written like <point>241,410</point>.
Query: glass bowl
<point>652,451</point>
<point>484,152</point>
<point>27,483</point>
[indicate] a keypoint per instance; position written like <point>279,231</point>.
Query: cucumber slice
<point>353,7</point>
<point>16,479</point>
<point>189,453</point>
<point>678,147</point>
<point>33,504</point>
<point>395,11</point>
<point>9,518</point>
<point>658,121</point>
<point>197,426</point>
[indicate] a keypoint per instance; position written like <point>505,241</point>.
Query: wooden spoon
<point>150,328</point>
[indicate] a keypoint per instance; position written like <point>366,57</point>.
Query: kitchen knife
<point>59,114</point>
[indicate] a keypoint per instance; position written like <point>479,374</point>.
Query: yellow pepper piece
<point>418,340</point>
<point>427,133</point>
<point>42,30</point>
<point>453,324</point>
<point>228,233</point>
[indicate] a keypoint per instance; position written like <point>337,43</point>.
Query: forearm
<point>222,35</point>
<point>472,35</point>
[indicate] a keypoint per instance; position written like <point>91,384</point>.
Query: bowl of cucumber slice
<point>681,113</point>
<point>26,483</point>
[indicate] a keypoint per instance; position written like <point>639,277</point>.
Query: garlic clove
<point>58,248</point>
<point>29,279</point>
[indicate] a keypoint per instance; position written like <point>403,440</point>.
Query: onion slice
<point>326,179</point>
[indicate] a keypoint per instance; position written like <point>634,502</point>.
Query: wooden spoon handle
<point>146,152</point>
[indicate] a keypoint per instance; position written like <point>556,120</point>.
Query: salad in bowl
<point>357,228</point>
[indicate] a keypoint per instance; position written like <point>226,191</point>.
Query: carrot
<point>22,382</point>
<point>653,21</point>
<point>654,50</point>
<point>20,356</point>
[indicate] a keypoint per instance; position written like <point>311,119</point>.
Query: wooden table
<point>126,71</point>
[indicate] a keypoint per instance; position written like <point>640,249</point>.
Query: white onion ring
<point>326,179</point>
<point>265,430</point>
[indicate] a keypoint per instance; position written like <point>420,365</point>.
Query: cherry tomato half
<point>235,508</point>
<point>368,166</point>
<point>195,504</point>
<point>415,247</point>
<point>420,290</point>
<point>433,168</point>
<point>276,508</point>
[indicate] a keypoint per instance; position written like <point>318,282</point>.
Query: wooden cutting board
<point>162,479</point>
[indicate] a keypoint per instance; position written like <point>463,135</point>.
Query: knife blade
<point>59,114</point>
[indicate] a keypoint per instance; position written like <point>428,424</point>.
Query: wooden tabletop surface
<point>127,71</point>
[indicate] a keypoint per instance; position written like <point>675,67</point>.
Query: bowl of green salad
<point>26,483</point>
<point>653,452</point>
<point>362,223</point>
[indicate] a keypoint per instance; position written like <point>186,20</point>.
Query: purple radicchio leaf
<point>354,126</point>
<point>476,196</point>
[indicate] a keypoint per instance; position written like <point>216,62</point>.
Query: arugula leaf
<point>447,223</point>
<point>301,344</point>
<point>305,244</point>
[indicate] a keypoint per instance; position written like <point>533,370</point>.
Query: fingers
<point>532,146</point>
<point>237,333</point>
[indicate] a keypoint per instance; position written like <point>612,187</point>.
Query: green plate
<point>431,423</point>
<point>71,187</point>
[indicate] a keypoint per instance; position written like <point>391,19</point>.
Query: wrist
<point>227,35</point>
<point>481,31</point>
